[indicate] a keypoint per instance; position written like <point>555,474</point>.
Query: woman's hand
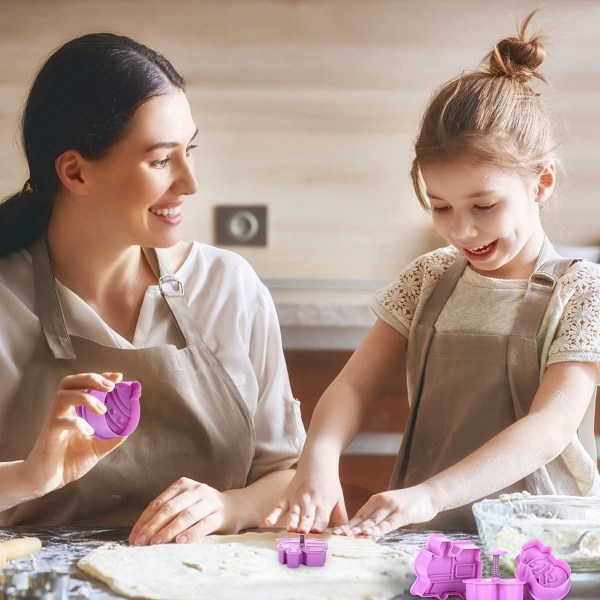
<point>65,449</point>
<point>387,511</point>
<point>185,512</point>
<point>309,501</point>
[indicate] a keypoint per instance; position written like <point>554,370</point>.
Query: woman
<point>95,285</point>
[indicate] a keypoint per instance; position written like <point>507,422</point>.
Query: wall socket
<point>241,225</point>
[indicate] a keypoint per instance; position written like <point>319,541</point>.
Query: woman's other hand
<point>309,501</point>
<point>65,449</point>
<point>390,510</point>
<point>185,512</point>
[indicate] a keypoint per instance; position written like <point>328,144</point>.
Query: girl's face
<point>489,214</point>
<point>138,188</point>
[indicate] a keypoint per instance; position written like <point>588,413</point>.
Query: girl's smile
<point>489,214</point>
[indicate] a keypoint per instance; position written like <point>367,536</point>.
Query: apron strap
<point>523,359</point>
<point>442,292</point>
<point>424,330</point>
<point>172,292</point>
<point>47,303</point>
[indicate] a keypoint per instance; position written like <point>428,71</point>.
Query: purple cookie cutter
<point>122,411</point>
<point>495,588</point>
<point>296,551</point>
<point>547,577</point>
<point>442,567</point>
<point>539,574</point>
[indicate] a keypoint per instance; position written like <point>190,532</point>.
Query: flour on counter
<point>246,566</point>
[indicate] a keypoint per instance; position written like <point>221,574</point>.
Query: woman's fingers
<point>201,529</point>
<point>191,513</point>
<point>140,533</point>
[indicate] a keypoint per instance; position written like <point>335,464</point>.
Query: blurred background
<point>307,109</point>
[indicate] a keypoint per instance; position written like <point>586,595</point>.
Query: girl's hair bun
<point>517,57</point>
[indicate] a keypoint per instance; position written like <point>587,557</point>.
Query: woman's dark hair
<point>83,98</point>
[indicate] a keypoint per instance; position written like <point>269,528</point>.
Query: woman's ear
<point>545,182</point>
<point>71,170</point>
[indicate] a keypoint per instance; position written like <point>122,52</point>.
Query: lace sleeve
<point>396,303</point>
<point>578,334</point>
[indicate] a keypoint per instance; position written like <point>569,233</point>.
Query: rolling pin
<point>17,548</point>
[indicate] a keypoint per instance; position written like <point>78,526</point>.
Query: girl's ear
<point>545,182</point>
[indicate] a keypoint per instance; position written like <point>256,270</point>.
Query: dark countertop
<point>62,547</point>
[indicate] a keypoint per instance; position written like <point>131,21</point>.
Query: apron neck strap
<point>47,303</point>
<point>442,291</point>
<point>549,269</point>
<point>171,289</point>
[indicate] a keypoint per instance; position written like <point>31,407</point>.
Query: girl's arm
<point>315,489</point>
<point>533,441</point>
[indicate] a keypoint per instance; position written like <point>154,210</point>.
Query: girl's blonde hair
<point>491,115</point>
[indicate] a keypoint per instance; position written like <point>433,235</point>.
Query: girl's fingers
<point>306,522</point>
<point>339,515</point>
<point>373,519</point>
<point>276,513</point>
<point>293,518</point>
<point>321,520</point>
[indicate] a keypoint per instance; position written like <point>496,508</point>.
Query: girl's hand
<point>390,510</point>
<point>65,449</point>
<point>185,512</point>
<point>309,502</point>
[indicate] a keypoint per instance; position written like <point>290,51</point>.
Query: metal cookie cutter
<point>30,585</point>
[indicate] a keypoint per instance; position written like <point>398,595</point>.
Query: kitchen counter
<point>64,546</point>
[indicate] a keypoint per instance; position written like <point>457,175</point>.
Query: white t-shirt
<point>236,318</point>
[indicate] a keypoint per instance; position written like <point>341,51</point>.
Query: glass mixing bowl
<point>570,525</point>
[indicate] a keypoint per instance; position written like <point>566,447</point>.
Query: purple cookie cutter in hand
<point>296,551</point>
<point>122,411</point>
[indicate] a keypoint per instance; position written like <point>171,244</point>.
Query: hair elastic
<point>28,188</point>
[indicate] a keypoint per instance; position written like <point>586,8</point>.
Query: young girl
<point>502,335</point>
<point>95,285</point>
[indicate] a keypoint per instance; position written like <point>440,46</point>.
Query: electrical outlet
<point>241,225</point>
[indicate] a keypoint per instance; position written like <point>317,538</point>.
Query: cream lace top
<point>570,330</point>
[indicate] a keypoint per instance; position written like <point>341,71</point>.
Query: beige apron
<point>469,387</point>
<point>194,423</point>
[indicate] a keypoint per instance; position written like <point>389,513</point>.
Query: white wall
<point>311,107</point>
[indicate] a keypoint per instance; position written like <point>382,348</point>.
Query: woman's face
<point>489,214</point>
<point>137,190</point>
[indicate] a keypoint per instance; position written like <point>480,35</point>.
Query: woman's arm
<point>533,441</point>
<point>315,489</point>
<point>65,449</point>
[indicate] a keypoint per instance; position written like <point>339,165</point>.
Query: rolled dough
<point>222,567</point>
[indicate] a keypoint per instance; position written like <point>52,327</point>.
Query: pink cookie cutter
<point>495,588</point>
<point>539,574</point>
<point>547,577</point>
<point>122,411</point>
<point>442,567</point>
<point>296,551</point>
